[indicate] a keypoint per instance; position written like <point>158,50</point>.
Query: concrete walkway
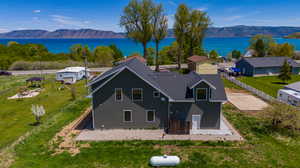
<point>140,134</point>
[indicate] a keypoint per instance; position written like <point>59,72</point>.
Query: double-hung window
<point>118,94</point>
<point>201,94</point>
<point>127,114</point>
<point>150,116</point>
<point>137,94</point>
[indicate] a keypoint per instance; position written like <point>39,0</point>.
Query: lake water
<point>222,45</point>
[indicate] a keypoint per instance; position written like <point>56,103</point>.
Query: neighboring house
<point>290,94</point>
<point>201,65</point>
<point>131,95</point>
<point>264,66</point>
<point>71,74</point>
<point>249,53</point>
<point>140,58</point>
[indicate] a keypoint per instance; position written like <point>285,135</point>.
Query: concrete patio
<point>226,133</point>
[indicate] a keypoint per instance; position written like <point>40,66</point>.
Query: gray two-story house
<point>131,95</point>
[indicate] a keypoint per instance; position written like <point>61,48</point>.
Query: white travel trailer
<point>71,74</point>
<point>290,94</point>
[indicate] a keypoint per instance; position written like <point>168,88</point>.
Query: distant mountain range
<point>222,32</point>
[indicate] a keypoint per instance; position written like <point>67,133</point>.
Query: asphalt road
<point>53,71</point>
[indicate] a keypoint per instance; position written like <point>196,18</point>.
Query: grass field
<point>263,147</point>
<point>16,117</point>
<point>267,84</point>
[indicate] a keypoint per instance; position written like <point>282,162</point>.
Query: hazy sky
<point>105,14</point>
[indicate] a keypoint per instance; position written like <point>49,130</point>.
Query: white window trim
<point>116,94</point>
<point>156,92</point>
<point>197,94</point>
<point>154,113</point>
<point>130,116</point>
<point>141,94</point>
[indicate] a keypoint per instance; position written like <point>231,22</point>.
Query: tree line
<point>14,52</point>
<point>145,21</point>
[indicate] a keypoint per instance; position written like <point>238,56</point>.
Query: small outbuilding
<point>201,65</point>
<point>265,66</point>
<point>290,94</point>
<point>72,74</point>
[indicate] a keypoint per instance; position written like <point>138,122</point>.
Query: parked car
<point>5,73</point>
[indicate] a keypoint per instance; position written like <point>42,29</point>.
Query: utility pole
<point>84,53</point>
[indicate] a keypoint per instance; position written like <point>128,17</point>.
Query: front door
<point>196,119</point>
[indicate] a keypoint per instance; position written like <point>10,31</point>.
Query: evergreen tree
<point>285,72</point>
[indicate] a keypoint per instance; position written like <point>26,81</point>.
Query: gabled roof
<point>294,86</point>
<point>171,84</point>
<point>270,61</point>
<point>197,58</point>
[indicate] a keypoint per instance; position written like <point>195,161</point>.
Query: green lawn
<point>231,85</point>
<point>267,84</point>
<point>15,115</point>
<point>263,148</point>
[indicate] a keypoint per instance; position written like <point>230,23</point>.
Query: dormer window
<point>201,94</point>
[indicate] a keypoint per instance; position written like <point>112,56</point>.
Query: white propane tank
<point>164,160</point>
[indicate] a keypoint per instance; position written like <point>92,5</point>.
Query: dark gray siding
<point>245,67</point>
<point>109,113</point>
<point>210,111</point>
<point>266,70</point>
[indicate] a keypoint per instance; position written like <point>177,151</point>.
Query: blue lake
<point>222,45</point>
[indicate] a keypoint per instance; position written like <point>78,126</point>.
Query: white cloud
<point>202,9</point>
<point>172,3</point>
<point>66,20</point>
<point>37,11</point>
<point>3,30</point>
<point>233,18</point>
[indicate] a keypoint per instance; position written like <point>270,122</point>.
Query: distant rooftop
<point>270,61</point>
<point>72,69</point>
<point>197,58</point>
<point>294,86</point>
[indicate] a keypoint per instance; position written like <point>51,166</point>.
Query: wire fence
<point>250,88</point>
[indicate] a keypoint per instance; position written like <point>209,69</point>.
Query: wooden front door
<point>179,127</point>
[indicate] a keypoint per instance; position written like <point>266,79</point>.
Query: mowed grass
<point>268,84</point>
<point>15,115</point>
<point>262,148</point>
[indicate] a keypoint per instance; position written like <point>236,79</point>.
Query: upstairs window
<point>127,116</point>
<point>137,94</point>
<point>150,116</point>
<point>201,94</point>
<point>118,94</point>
